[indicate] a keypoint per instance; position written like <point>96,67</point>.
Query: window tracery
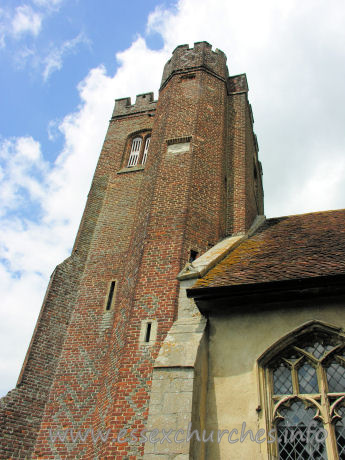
<point>305,383</point>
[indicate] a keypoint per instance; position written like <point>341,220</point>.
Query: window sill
<point>132,169</point>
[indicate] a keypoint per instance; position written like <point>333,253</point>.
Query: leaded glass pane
<point>146,149</point>
<point>307,379</point>
<point>282,380</point>
<point>340,433</point>
<point>299,435</point>
<point>291,355</point>
<point>319,348</point>
<point>336,378</point>
<point>135,150</point>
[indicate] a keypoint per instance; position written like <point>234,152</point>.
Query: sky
<point>63,62</point>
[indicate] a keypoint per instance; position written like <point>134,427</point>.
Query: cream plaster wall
<point>236,341</point>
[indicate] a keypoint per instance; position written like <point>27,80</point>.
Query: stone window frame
<point>143,331</point>
<point>179,145</point>
<point>325,403</point>
<point>133,159</point>
<point>113,299</point>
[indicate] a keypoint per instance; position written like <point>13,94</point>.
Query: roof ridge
<point>306,214</point>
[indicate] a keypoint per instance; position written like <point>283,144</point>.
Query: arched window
<point>305,384</point>
<point>135,152</point>
<point>139,152</point>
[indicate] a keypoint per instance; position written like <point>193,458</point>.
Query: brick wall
<point>138,228</point>
<point>22,409</point>
<point>245,197</point>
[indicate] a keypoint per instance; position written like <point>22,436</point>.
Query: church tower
<point>175,176</point>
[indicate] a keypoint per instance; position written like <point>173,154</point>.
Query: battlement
<point>201,55</point>
<point>143,102</point>
<point>238,83</point>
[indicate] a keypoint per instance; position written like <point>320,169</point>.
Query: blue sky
<point>49,47</point>
<point>63,62</point>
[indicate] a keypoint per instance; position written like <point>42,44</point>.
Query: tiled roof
<point>285,248</point>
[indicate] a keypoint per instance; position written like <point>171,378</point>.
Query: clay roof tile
<point>291,247</point>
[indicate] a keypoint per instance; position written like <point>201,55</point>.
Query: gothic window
<point>305,383</point>
<point>135,152</point>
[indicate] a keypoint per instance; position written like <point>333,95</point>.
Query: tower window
<point>146,149</point>
<point>148,332</point>
<point>192,255</point>
<point>139,151</point>
<point>135,152</point>
<point>110,298</point>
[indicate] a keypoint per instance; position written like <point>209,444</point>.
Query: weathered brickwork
<point>138,228</point>
<point>22,409</point>
<point>245,189</point>
<point>87,361</point>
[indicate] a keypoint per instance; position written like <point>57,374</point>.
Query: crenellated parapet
<point>201,56</point>
<point>143,103</point>
<point>238,83</point>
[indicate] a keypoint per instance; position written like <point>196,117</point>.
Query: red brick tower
<point>174,177</point>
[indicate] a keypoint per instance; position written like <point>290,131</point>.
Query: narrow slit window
<point>148,332</point>
<point>110,295</point>
<point>146,149</point>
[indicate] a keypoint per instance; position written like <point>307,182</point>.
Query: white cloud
<point>20,301</point>
<point>53,129</point>
<point>54,60</point>
<point>50,4</point>
<point>24,55</point>
<point>322,189</point>
<point>43,56</point>
<point>48,62</point>
<point>26,20</point>
<point>23,169</point>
